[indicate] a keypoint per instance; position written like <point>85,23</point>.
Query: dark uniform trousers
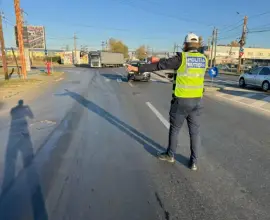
<point>185,109</point>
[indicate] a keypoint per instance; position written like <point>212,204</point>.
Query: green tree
<point>118,46</point>
<point>141,52</point>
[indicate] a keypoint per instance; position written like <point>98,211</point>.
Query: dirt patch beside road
<point>16,87</point>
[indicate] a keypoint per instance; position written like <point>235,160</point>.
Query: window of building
<point>260,54</point>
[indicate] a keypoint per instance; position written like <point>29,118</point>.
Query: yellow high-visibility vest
<point>189,81</point>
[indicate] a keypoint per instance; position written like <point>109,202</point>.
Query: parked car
<point>138,76</point>
<point>257,77</point>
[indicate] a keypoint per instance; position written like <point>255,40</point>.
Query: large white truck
<point>105,59</point>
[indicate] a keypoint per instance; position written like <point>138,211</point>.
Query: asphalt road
<point>89,153</point>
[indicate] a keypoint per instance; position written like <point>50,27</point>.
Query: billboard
<point>25,37</point>
<point>33,37</point>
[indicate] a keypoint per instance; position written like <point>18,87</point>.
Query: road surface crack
<point>166,213</point>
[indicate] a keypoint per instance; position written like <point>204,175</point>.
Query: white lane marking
<point>130,84</point>
<point>262,102</point>
<point>248,105</point>
<point>119,80</point>
<point>227,81</point>
<point>107,80</point>
<point>223,81</point>
<point>159,115</point>
<point>239,89</point>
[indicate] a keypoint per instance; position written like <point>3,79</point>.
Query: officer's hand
<point>132,68</point>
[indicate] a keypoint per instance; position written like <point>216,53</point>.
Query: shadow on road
<point>114,77</point>
<point>18,190</point>
<point>149,145</point>
<point>82,65</point>
<point>254,95</point>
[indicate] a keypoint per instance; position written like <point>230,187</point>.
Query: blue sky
<point>157,23</point>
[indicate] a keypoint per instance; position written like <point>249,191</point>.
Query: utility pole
<point>2,42</point>
<point>106,46</point>
<point>102,45</point>
<point>19,25</point>
<point>148,51</point>
<point>242,42</point>
<point>215,54</point>
<point>75,49</point>
<point>208,45</point>
<point>212,46</point>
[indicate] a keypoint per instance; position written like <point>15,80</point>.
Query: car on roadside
<point>135,76</point>
<point>257,77</point>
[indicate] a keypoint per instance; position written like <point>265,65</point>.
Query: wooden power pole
<point>212,46</point>
<point>75,49</point>
<point>19,24</point>
<point>2,42</point>
<point>215,54</point>
<point>242,42</point>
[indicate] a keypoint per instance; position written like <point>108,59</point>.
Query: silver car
<point>258,77</point>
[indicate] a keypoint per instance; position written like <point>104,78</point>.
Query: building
<point>227,54</point>
<point>38,55</point>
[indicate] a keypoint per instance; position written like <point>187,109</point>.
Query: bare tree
<point>234,43</point>
<point>118,46</point>
<point>141,52</point>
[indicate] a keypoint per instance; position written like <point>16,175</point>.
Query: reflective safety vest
<point>189,79</point>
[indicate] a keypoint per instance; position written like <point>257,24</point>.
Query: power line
<point>259,31</point>
<point>88,26</point>
<point>230,25</point>
<point>258,15</point>
<point>59,38</point>
<point>236,27</point>
<point>260,27</point>
<point>166,15</point>
<point>227,37</point>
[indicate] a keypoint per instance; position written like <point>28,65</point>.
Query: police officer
<point>186,104</point>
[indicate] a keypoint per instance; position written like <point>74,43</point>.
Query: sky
<point>155,23</point>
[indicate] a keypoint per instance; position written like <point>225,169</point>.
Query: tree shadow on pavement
<point>16,191</point>
<point>150,145</point>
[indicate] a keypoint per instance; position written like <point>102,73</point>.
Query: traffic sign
<point>213,72</point>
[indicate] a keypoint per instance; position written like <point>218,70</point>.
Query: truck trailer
<point>105,59</point>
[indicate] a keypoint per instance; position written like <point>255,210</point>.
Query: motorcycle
<point>136,76</point>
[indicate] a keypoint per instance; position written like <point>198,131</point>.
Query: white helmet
<point>191,38</point>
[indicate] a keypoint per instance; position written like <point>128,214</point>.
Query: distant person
<point>186,103</point>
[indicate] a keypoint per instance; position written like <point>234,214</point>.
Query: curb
<point>230,74</point>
